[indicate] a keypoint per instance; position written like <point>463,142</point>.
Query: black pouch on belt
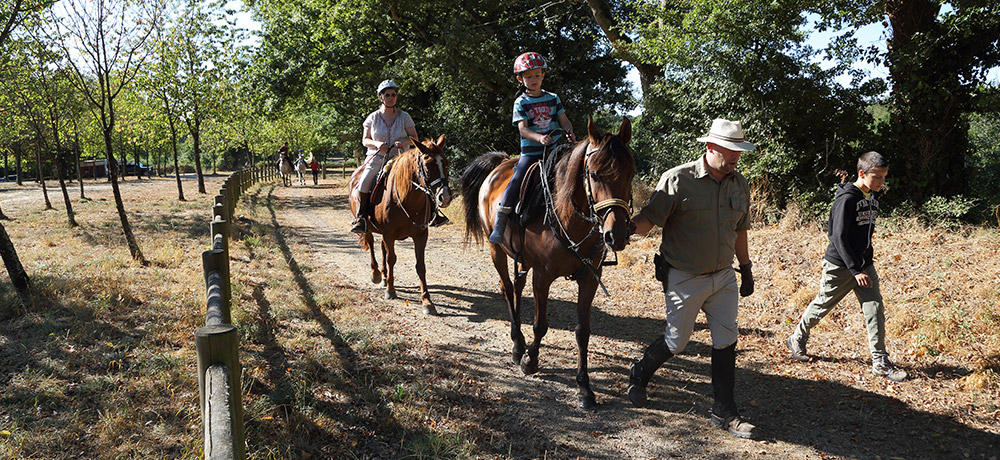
<point>660,269</point>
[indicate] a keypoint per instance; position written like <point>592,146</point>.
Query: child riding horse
<point>587,213</point>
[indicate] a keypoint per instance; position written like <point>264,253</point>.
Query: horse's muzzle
<point>443,197</point>
<point>616,239</point>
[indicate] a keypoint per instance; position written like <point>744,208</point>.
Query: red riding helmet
<point>528,61</point>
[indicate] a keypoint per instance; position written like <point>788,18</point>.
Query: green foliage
<point>984,162</point>
<point>804,123</point>
<point>943,209</point>
<point>452,60</point>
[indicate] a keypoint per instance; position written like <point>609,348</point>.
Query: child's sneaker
<point>797,345</point>
<point>882,366</point>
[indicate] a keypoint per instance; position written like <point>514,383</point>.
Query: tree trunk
<point>61,176</point>
<point>41,180</point>
<point>177,168</point>
<point>133,245</point>
<point>648,73</point>
<point>927,105</point>
<point>77,153</point>
<point>18,277</point>
<point>17,161</point>
<point>138,154</point>
<point>195,129</point>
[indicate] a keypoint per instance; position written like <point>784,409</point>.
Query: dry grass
<point>104,366</point>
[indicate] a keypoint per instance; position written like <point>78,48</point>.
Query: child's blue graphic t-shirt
<point>542,114</point>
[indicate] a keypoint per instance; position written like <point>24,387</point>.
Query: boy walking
<point>848,265</point>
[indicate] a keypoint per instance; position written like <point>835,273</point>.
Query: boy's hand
<point>746,279</point>
<point>863,280</point>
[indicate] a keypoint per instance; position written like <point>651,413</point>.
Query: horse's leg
<point>388,263</point>
<point>384,272</point>
<point>513,301</point>
<point>585,299</point>
<point>540,284</point>
<point>370,241</point>
<point>419,247</point>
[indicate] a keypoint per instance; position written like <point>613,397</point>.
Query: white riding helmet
<point>385,85</point>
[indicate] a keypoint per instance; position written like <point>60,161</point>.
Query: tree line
<point>180,83</point>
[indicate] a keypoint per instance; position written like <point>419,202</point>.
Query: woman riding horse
<point>416,187</point>
<point>586,213</point>
<point>388,131</point>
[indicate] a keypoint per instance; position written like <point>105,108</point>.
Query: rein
<point>592,215</point>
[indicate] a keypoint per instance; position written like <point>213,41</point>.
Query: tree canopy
<point>309,77</point>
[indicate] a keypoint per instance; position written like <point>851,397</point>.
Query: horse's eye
<point>594,176</point>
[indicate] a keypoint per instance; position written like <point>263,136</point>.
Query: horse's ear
<point>440,141</point>
<point>592,130</point>
<point>418,145</point>
<point>625,131</point>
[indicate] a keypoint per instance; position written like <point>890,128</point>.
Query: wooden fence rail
<point>217,342</point>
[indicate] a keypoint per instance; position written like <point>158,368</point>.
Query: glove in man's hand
<point>746,279</point>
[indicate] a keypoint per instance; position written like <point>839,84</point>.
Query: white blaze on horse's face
<point>443,194</point>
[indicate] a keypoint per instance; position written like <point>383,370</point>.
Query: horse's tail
<point>472,180</point>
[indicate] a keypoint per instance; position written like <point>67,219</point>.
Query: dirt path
<point>798,418</point>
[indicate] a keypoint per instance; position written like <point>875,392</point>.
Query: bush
<point>948,210</point>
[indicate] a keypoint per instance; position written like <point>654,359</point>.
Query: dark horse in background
<point>415,187</point>
<point>586,213</point>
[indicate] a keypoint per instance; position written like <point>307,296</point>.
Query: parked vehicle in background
<point>143,170</point>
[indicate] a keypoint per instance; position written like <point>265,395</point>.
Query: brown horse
<point>415,187</point>
<point>587,213</point>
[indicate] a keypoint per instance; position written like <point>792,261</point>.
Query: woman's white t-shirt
<point>383,132</point>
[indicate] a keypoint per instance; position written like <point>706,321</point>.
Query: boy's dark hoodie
<point>852,223</point>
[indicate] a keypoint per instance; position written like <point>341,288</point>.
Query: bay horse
<point>416,186</point>
<point>587,213</point>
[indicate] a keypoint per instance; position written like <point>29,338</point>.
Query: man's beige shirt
<point>699,216</point>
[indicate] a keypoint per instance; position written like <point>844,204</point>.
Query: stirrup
<point>360,225</point>
<point>439,220</point>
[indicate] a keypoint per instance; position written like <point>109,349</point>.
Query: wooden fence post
<point>219,344</point>
<point>218,287</point>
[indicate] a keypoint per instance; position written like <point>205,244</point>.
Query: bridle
<point>592,214</point>
<point>427,188</point>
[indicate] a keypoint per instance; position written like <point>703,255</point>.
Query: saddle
<point>531,199</point>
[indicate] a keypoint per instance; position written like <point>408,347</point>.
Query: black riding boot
<point>656,354</point>
<point>725,415</point>
<point>360,224</point>
<point>440,219</point>
<point>503,213</point>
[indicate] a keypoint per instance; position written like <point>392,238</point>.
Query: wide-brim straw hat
<point>728,134</point>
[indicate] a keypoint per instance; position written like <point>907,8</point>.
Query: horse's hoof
<point>516,354</point>
<point>586,402</point>
<point>430,310</point>
<point>376,278</point>
<point>527,367</point>
<point>389,295</point>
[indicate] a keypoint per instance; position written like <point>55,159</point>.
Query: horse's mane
<point>613,161</point>
<point>404,168</point>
